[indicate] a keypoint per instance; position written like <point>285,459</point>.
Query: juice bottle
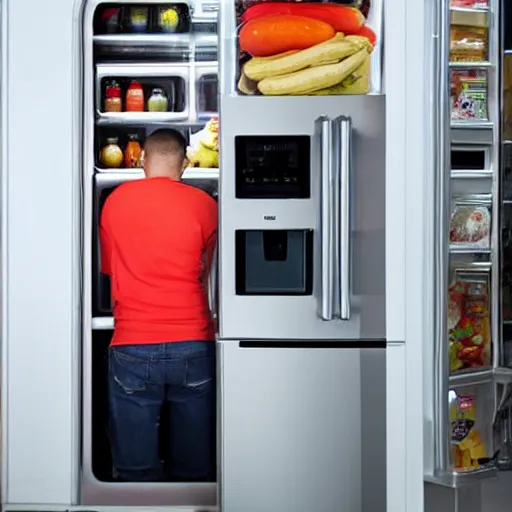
<point>135,98</point>
<point>132,153</point>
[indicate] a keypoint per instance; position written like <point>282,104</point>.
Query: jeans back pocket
<point>200,370</point>
<point>130,372</point>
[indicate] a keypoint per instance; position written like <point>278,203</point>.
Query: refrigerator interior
<point>147,65</point>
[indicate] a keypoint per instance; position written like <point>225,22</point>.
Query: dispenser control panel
<point>273,167</point>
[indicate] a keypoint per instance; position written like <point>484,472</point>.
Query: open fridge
<point>147,65</point>
<point>468,423</point>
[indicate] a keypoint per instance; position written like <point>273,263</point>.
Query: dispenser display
<point>305,48</point>
<point>273,167</point>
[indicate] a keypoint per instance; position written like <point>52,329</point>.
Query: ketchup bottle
<point>135,98</point>
<point>113,102</point>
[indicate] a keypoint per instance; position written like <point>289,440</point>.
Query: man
<point>157,241</point>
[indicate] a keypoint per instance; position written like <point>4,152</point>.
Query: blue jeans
<point>143,379</point>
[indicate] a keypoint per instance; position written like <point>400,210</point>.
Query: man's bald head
<point>165,154</point>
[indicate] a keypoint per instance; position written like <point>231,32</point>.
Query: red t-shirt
<point>157,241</point>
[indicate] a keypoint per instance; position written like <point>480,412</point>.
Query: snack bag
<point>467,444</point>
<point>469,325</point>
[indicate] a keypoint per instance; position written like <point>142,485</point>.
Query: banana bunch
<point>340,65</point>
<point>204,146</point>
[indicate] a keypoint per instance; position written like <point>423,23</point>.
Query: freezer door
<point>302,428</point>
<point>327,232</point>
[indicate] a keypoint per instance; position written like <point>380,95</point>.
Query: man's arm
<point>106,250</point>
<point>210,237</point>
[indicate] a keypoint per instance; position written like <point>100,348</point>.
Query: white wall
<point>40,270</point>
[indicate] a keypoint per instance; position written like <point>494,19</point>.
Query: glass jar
<point>111,155</point>
<point>132,152</point>
<point>168,19</point>
<point>158,101</point>
<point>113,101</point>
<point>139,19</point>
<point>135,98</point>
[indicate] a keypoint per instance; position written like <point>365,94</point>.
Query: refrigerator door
<point>302,218</point>
<point>311,435</point>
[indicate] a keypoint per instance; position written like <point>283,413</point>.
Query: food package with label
<point>204,146</point>
<point>469,324</point>
<point>468,447</point>
<point>304,48</point>
<point>470,4</point>
<point>468,44</point>
<point>469,36</point>
<point>468,91</point>
<point>470,225</point>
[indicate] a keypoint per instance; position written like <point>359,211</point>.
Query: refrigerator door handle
<point>344,147</point>
<point>326,216</point>
<point>212,285</point>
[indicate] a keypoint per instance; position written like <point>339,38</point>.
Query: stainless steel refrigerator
<point>301,294</point>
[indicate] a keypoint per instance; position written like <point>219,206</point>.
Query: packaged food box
<point>470,225</point>
<point>468,90</point>
<point>469,324</point>
<point>468,447</point>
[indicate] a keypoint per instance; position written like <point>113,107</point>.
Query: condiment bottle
<point>132,152</point>
<point>111,155</point>
<point>135,98</point>
<point>113,101</point>
<point>110,18</point>
<point>168,19</point>
<point>139,19</point>
<point>157,102</point>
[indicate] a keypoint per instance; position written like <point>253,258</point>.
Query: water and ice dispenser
<point>273,261</point>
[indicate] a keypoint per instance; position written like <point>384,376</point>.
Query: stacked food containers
<point>147,65</point>
<point>469,404</point>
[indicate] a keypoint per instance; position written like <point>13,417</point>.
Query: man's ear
<point>185,164</point>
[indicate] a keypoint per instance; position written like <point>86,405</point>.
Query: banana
<point>313,79</point>
<point>329,52</point>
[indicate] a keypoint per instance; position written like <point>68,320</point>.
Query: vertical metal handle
<point>327,178</point>
<point>441,148</point>
<point>344,149</point>
<point>212,285</point>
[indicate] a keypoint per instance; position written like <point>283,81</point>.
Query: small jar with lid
<point>138,19</point>
<point>158,101</point>
<point>111,155</point>
<point>168,18</point>
<point>113,100</point>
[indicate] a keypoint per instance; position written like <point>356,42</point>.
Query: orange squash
<point>271,35</point>
<point>341,17</point>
